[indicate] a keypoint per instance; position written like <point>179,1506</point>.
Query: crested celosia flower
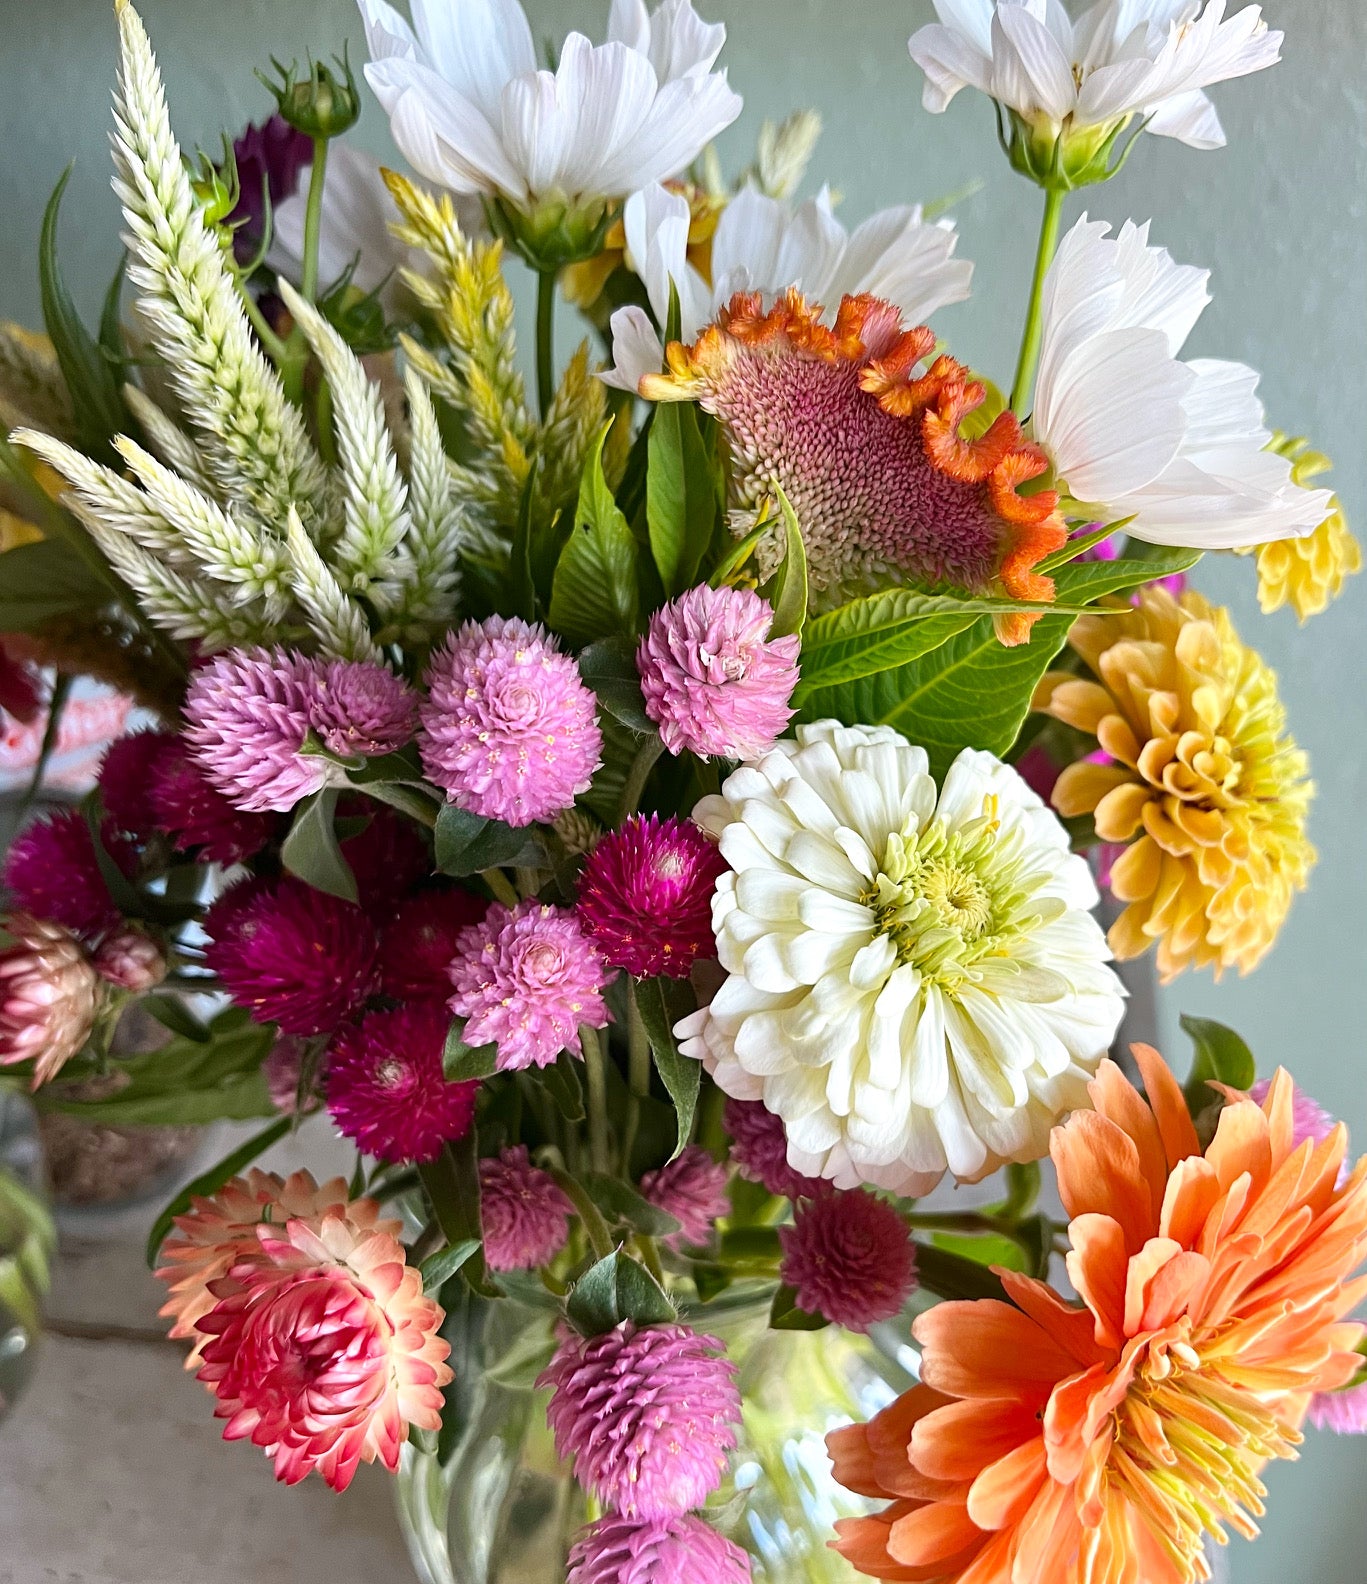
<point>290,954</point>
<point>524,1216</point>
<point>188,808</point>
<point>646,896</point>
<point>849,1257</point>
<point>1099,1443</point>
<point>526,979</point>
<point>1203,781</point>
<point>218,1232</point>
<point>713,680</point>
<point>915,982</point>
<point>646,1413</point>
<point>763,245</point>
<point>508,727</point>
<point>249,713</point>
<point>51,871</point>
<point>130,959</point>
<point>322,1349</point>
<point>759,1150</point>
<point>49,995</point>
<point>386,1088</point>
<point>866,444</point>
<point>691,1188</point>
<point>418,942</point>
<point>617,1550</point>
<point>1308,572</point>
<point>1195,469</point>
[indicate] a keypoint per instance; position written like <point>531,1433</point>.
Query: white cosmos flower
<point>1133,430</point>
<point>914,981</point>
<point>1120,58</point>
<point>469,108</point>
<point>764,245</point>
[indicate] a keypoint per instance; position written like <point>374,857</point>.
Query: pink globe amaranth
<point>49,995</point>
<point>418,940</point>
<point>617,1550</point>
<point>185,806</point>
<point>51,872</point>
<point>130,959</point>
<point>647,1414</point>
<point>322,1349</point>
<point>525,980</point>
<point>291,955</point>
<point>387,857</point>
<point>1344,1412</point>
<point>849,1257</point>
<point>387,1091</point>
<point>646,895</point>
<point>508,728</point>
<point>759,1151</point>
<point>714,682</point>
<point>691,1188</point>
<point>523,1213</point>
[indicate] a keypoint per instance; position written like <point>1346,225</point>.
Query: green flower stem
<point>501,886</point>
<point>545,340</point>
<point>651,1255</point>
<point>274,346</point>
<point>595,1228</point>
<point>597,1100</point>
<point>313,219</point>
<point>1023,387</point>
<point>641,766</point>
<point>638,1073</point>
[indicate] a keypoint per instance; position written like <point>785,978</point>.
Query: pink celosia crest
<point>617,1550</point>
<point>849,1257</point>
<point>523,1213</point>
<point>691,1188</point>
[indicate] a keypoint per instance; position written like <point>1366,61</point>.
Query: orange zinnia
<point>1058,1444</point>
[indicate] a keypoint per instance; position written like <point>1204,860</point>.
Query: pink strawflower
<point>51,872</point>
<point>713,680</point>
<point>322,1348</point>
<point>249,711</point>
<point>418,942</point>
<point>618,1550</point>
<point>849,1257</point>
<point>388,857</point>
<point>126,776</point>
<point>525,980</point>
<point>646,896</point>
<point>291,955</point>
<point>1344,1412</point>
<point>759,1151</point>
<point>524,1215</point>
<point>185,805</point>
<point>283,1070</point>
<point>49,994</point>
<point>647,1415</point>
<point>130,959</point>
<point>386,1089</point>
<point>691,1188</point>
<point>509,729</point>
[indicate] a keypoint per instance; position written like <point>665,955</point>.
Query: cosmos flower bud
<point>321,104</point>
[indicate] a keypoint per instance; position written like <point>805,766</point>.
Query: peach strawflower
<point>860,423</point>
<point>1099,1443</point>
<point>1306,573</point>
<point>1203,781</point>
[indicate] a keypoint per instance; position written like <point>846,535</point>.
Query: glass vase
<point>27,1243</point>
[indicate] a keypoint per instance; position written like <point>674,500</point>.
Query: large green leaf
<point>787,590</point>
<point>1221,1056</point>
<point>617,1288</point>
<point>594,593</point>
<point>311,850</point>
<point>209,1182</point>
<point>681,495</point>
<point>662,1003</point>
<point>41,580</point>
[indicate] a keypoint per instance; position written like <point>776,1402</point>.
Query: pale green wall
<point>1280,216</point>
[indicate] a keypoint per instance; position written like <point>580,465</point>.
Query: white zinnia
<point>915,983</point>
<point>1149,58</point>
<point>469,108</point>
<point>1134,431</point>
<point>763,245</point>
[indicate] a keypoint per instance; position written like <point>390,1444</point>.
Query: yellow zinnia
<point>1306,573</point>
<point>1203,781</point>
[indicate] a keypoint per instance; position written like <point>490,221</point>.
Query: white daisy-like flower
<point>764,245</point>
<point>1134,431</point>
<point>1120,58</point>
<point>915,982</point>
<point>469,108</point>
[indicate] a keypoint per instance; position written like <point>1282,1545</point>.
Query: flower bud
<point>1062,156</point>
<point>131,960</point>
<point>322,104</point>
<point>556,232</point>
<point>216,188</point>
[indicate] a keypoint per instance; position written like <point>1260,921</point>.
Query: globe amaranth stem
<point>1023,386</point>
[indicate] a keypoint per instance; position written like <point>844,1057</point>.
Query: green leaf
<point>468,843</point>
<point>736,556</point>
<point>594,591</point>
<point>311,849</point>
<point>209,1182</point>
<point>42,580</point>
<point>617,1288</point>
<point>92,381</point>
<point>787,589</point>
<point>437,1269</point>
<point>451,1183</point>
<point>562,1082</point>
<point>623,1206</point>
<point>125,894</point>
<point>461,1062</point>
<point>993,1248</point>
<point>111,328</point>
<point>172,1013</point>
<point>951,1275</point>
<point>681,495</point>
<point>784,1314</point>
<point>662,1002</point>
<point>1023,1181</point>
<point>1221,1057</point>
<point>609,668</point>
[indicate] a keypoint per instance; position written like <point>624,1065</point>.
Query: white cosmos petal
<point>636,349</point>
<point>629,22</point>
<point>681,43</point>
<point>476,45</point>
<point>1031,70</point>
<point>441,135</point>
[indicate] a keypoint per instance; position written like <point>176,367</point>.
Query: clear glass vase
<point>493,1505</point>
<point>27,1243</point>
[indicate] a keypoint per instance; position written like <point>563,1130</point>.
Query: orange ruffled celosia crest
<point>863,428</point>
<point>1098,1444</point>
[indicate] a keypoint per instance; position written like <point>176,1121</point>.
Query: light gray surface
<point>1282,217</point>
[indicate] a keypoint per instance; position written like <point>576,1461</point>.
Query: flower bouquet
<point>659,820</point>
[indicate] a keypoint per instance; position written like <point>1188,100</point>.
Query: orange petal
<point>1168,1103</point>
<point>1098,1170</point>
<point>863,1542</point>
<point>933,1534</point>
<point>1192,1193</point>
<point>1097,1268</point>
<point>958,1441</point>
<point>1114,1096</point>
<point>1241,1146</point>
<point>1002,1493</point>
<point>1069,1326</point>
<point>988,1349</point>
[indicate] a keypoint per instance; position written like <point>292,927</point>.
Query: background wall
<point>1280,216</point>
